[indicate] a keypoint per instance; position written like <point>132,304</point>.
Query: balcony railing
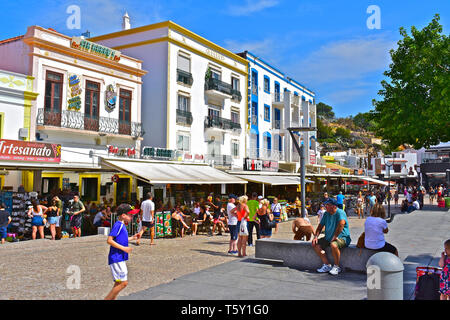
<point>184,117</point>
<point>236,95</point>
<point>221,123</point>
<point>277,97</point>
<point>295,100</point>
<point>184,77</point>
<point>278,125</point>
<point>220,160</point>
<point>255,90</point>
<point>265,154</point>
<point>218,85</point>
<point>81,121</point>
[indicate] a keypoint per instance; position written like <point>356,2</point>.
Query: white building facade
<point>275,103</point>
<point>194,97</point>
<point>89,102</point>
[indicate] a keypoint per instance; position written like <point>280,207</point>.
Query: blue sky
<point>325,45</point>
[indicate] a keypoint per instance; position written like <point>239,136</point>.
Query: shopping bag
<point>243,230</point>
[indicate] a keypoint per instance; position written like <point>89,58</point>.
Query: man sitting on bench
<point>337,236</point>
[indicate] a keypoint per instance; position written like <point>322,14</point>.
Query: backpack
<point>428,287</point>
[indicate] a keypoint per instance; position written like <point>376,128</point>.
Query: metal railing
<point>236,95</point>
<point>254,89</point>
<point>221,123</point>
<point>295,100</point>
<point>184,117</point>
<point>220,160</point>
<point>277,97</point>
<point>81,121</point>
<point>278,125</point>
<point>215,84</point>
<point>265,154</point>
<point>184,77</point>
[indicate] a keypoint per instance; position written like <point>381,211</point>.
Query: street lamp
<point>388,166</point>
<point>301,151</point>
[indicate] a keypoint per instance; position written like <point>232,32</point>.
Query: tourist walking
<point>36,212</point>
<point>147,218</point>
<point>396,196</point>
<point>372,202</point>
<point>77,208</point>
<point>52,213</point>
<point>232,224</point>
<point>432,194</point>
<point>340,200</point>
<point>275,209</point>
<point>444,263</point>
<point>360,206</point>
<point>253,206</point>
<point>374,229</point>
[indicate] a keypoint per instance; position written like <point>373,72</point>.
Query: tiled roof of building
<point>11,39</point>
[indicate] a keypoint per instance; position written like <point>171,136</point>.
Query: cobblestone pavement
<point>38,269</point>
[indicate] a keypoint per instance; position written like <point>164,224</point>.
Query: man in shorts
<point>147,216</point>
<point>77,209</point>
<point>119,250</point>
<point>337,236</point>
<point>5,219</point>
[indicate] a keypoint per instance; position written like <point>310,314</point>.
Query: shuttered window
<point>184,63</point>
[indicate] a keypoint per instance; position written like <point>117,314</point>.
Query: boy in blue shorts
<point>118,253</point>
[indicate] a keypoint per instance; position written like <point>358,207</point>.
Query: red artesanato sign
<point>14,150</point>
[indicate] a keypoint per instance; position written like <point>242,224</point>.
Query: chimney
<point>126,22</point>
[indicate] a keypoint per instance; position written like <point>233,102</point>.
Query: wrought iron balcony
<point>254,89</point>
<point>278,98</point>
<point>81,121</point>
<point>221,123</point>
<point>184,77</point>
<point>265,154</point>
<point>218,85</point>
<point>236,95</point>
<point>184,117</point>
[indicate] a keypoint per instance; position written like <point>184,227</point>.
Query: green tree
<point>416,101</point>
<point>323,131</point>
<point>364,120</point>
<point>325,111</point>
<point>343,133</point>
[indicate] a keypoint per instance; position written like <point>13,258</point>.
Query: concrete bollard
<point>384,277</point>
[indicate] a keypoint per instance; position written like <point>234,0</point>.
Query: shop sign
<point>14,150</point>
<point>158,153</point>
<point>312,158</point>
<point>95,49</point>
<point>122,152</point>
<point>74,102</point>
<point>196,157</point>
<point>260,165</point>
<point>110,98</point>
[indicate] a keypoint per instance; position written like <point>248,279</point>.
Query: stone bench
<point>301,255</point>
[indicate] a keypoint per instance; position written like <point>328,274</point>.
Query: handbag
<point>243,231</point>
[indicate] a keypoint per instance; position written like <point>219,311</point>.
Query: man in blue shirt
<point>337,236</point>
<point>119,250</point>
<point>340,200</point>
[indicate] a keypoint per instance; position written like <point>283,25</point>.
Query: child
<point>118,253</point>
<point>444,263</point>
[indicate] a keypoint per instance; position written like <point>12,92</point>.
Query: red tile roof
<point>11,40</point>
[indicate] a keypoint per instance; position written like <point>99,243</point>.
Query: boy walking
<point>118,253</point>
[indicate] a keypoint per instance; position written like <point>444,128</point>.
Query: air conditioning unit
<point>23,133</point>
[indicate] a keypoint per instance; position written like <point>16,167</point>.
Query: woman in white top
<point>360,206</point>
<point>375,227</point>
<point>38,222</point>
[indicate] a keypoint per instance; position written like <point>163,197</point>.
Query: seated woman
<point>404,207</point>
<point>374,228</point>
<point>179,216</point>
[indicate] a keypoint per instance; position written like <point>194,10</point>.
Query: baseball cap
<point>331,201</point>
<point>125,208</point>
<point>232,196</point>
<point>260,197</point>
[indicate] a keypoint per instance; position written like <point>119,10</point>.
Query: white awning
<point>160,172</point>
<point>384,183</point>
<point>273,179</point>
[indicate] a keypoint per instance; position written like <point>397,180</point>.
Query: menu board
<point>159,226</point>
<point>167,223</point>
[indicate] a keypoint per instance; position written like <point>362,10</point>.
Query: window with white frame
<point>235,148</point>
<point>183,141</point>
<point>234,83</point>
<point>215,74</point>
<point>235,117</point>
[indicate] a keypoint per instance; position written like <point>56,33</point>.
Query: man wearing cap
<point>119,250</point>
<point>337,236</point>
